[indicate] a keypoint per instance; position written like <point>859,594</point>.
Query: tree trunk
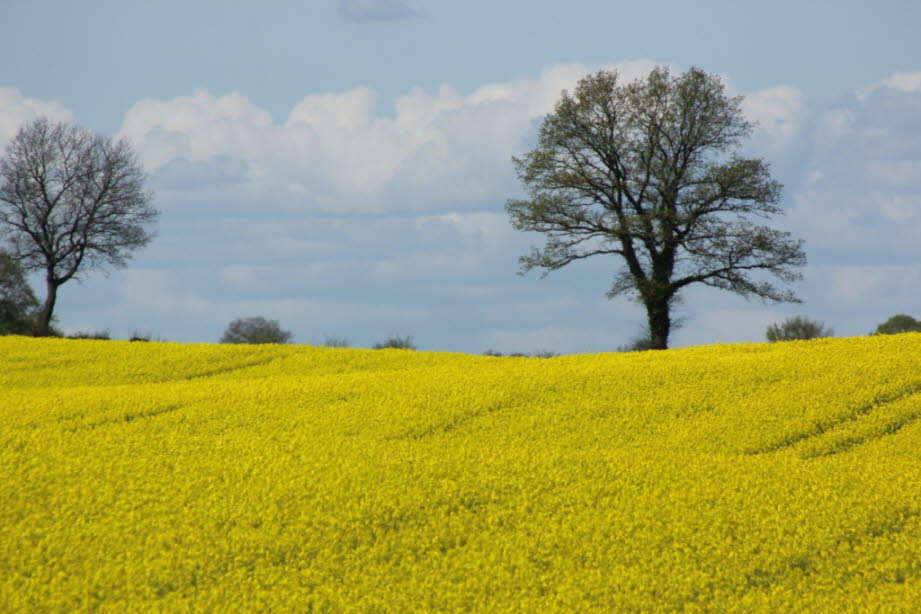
<point>660,323</point>
<point>43,325</point>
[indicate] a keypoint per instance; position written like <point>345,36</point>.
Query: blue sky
<point>343,166</point>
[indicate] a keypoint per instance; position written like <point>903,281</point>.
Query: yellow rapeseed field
<point>160,477</point>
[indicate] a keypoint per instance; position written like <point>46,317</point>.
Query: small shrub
<point>545,354</point>
<point>99,335</point>
<point>396,342</point>
<point>797,327</point>
<point>335,342</point>
<point>143,336</point>
<point>643,341</point>
<point>255,330</point>
<point>900,323</point>
<point>492,353</point>
<point>639,344</point>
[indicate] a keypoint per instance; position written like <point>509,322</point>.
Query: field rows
<point>739,478</point>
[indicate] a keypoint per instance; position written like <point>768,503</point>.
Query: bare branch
<point>71,201</point>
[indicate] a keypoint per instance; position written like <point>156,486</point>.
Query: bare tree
<point>646,172</point>
<point>71,201</point>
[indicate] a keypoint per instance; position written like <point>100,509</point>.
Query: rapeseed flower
<point>734,478</point>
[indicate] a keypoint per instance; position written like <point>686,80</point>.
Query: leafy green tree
<point>797,327</point>
<point>70,201</point>
<point>648,172</point>
<point>900,323</point>
<point>18,304</point>
<point>255,330</point>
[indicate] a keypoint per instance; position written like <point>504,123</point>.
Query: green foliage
<point>255,330</point>
<point>648,172</point>
<point>900,323</point>
<point>396,342</point>
<point>797,327</point>
<point>17,301</point>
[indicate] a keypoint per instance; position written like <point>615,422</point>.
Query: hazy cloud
<point>779,114</point>
<point>183,174</point>
<point>16,109</point>
<point>902,81</point>
<point>348,220</point>
<point>862,189</point>
<point>374,10</point>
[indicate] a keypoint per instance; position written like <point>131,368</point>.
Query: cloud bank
<point>345,220</point>
<point>862,189</point>
<point>336,153</point>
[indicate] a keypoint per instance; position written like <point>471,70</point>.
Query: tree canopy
<point>797,327</point>
<point>255,330</point>
<point>899,323</point>
<point>648,172</point>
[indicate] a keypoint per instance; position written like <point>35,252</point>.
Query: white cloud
<point>197,128</point>
<point>16,109</point>
<point>779,112</point>
<point>337,153</point>
<point>541,95</point>
<point>902,81</point>
<point>863,183</point>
